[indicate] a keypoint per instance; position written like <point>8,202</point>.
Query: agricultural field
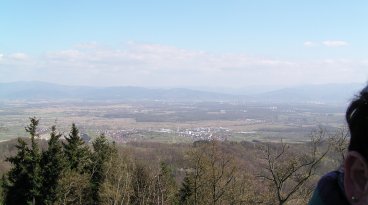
<point>173,122</point>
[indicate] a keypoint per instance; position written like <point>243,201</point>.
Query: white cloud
<point>161,65</point>
<point>19,56</point>
<point>334,43</point>
<point>327,43</point>
<point>310,44</point>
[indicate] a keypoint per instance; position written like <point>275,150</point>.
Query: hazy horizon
<point>232,44</point>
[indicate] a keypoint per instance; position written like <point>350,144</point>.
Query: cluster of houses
<point>195,134</point>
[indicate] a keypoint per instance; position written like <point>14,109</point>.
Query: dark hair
<point>357,119</point>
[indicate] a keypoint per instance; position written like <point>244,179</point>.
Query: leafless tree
<point>339,142</point>
<point>212,173</point>
<point>288,172</point>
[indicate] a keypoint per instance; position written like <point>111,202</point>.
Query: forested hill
<point>67,170</point>
<point>329,93</point>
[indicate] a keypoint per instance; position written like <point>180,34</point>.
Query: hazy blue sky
<point>184,43</point>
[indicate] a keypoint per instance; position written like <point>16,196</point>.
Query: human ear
<point>356,176</point>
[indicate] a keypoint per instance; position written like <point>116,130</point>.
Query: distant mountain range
<point>328,93</point>
<point>49,91</point>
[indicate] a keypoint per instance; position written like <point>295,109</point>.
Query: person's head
<point>356,162</point>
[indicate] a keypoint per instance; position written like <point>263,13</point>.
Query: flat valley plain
<point>171,121</point>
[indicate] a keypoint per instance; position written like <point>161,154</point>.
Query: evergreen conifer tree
<point>103,151</point>
<point>76,152</point>
<point>185,192</point>
<point>24,179</point>
<point>52,164</point>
